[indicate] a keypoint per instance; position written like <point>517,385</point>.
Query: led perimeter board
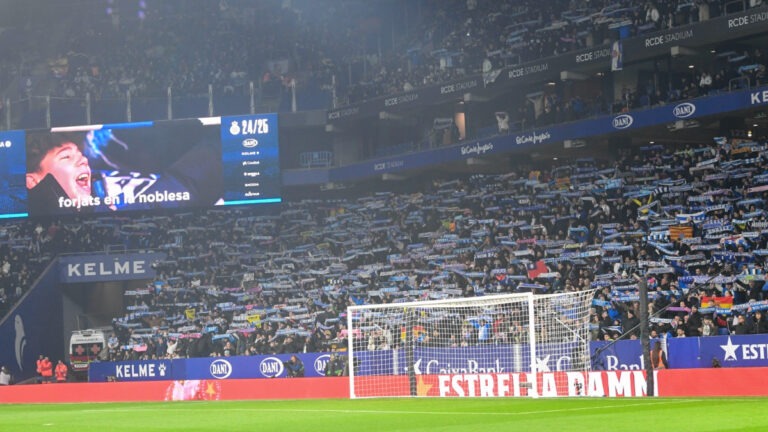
<point>193,163</point>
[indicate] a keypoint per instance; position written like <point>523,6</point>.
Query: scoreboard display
<point>193,163</point>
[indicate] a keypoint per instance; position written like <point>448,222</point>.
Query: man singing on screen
<point>58,174</point>
<point>163,167</point>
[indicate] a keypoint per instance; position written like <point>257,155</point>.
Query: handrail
<point>739,80</point>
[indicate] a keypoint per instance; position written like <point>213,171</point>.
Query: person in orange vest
<point>46,370</point>
<point>61,372</point>
<point>39,368</point>
<point>658,358</point>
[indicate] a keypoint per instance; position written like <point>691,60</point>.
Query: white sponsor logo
<point>451,88</point>
<point>21,340</point>
<point>106,269</point>
<point>562,363</point>
<point>143,370</point>
<point>321,362</point>
<point>754,351</point>
<point>388,165</point>
<point>593,55</point>
<point>334,115</point>
<point>668,38</point>
<point>533,138</point>
<point>612,362</point>
<point>471,367</point>
<point>757,351</point>
<point>522,71</point>
<point>611,384</point>
<point>397,100</point>
<point>623,121</point>
<point>220,369</point>
<point>758,97</point>
<point>476,148</point>
<point>271,367</point>
<point>730,350</point>
<point>747,20</point>
<point>684,110</point>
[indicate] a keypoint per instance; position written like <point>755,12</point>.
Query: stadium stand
<point>691,215</point>
<point>475,236</point>
<point>379,50</point>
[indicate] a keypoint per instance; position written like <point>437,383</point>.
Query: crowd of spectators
<point>26,248</point>
<point>229,43</point>
<point>689,218</point>
<point>729,70</point>
<point>464,37</point>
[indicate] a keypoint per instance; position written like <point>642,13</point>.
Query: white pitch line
<point>352,411</point>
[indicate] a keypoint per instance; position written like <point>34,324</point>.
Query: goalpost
<point>501,345</point>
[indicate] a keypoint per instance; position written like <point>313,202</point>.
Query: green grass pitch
<point>540,415</point>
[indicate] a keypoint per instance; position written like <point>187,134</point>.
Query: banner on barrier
<point>427,361</point>
<point>467,360</point>
<point>621,355</point>
<point>548,384</point>
<point>206,368</point>
<point>727,351</point>
<point>686,353</point>
<point>669,383</point>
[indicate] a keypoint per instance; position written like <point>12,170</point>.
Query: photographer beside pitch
<point>5,376</point>
<point>294,367</point>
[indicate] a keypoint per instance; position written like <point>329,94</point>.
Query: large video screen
<point>140,166</point>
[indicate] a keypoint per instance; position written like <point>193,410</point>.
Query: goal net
<point>503,345</point>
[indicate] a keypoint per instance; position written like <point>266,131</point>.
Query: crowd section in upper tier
<point>691,219</point>
<point>372,49</point>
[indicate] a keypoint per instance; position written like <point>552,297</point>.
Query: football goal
<point>500,345</point>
